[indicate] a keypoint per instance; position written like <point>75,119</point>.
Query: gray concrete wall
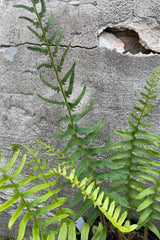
<point>113,64</point>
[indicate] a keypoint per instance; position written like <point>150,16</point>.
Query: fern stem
<point>146,233</point>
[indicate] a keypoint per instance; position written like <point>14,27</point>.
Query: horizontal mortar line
<point>43,45</point>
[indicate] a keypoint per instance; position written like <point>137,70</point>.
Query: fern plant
<point>128,167</point>
<point>77,137</point>
<point>44,181</point>
<point>140,160</point>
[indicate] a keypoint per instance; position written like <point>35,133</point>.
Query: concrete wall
<point>116,45</point>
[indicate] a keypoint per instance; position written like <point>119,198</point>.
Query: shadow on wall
<point>123,40</point>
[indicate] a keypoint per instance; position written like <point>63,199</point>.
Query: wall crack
<point>4,46</point>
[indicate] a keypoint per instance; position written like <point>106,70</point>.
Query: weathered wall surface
<point>113,63</point>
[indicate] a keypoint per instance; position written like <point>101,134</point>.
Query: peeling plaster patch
<point>9,53</point>
<point>123,40</point>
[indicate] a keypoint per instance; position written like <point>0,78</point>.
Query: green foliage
<point>133,163</point>
<point>44,181</point>
<point>138,157</point>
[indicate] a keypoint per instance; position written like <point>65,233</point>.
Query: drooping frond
<point>110,210</point>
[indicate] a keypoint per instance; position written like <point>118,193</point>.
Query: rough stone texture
<point>113,80</point>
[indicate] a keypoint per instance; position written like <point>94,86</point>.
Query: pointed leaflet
<point>153,228</point>
<point>59,67</point>
<point>9,202</point>
<point>40,37</point>
<point>54,53</point>
<point>45,64</point>
<point>51,101</point>
<point>9,165</point>
<point>64,79</point>
<point>43,8</point>
<point>51,236</point>
<point>35,231</point>
<point>77,101</point>
<point>74,156</point>
<point>16,173</point>
<point>62,119</point>
<point>49,84</point>
<point>72,231</point>
<point>63,232</point>
<point>122,144</point>
<point>69,132</point>
<point>30,9</point>
<point>76,117</point>
<point>85,232</point>
<point>100,233</point>
<point>54,35</point>
<point>46,209</point>
<point>145,192</point>
<point>92,136</point>
<point>145,204</point>
<point>49,221</point>
<point>38,49</point>
<point>143,216</point>
<point>70,87</point>
<point>16,214</point>
<point>41,199</point>
<point>147,151</point>
<point>49,23</point>
<point>125,134</point>
<point>98,150</point>
<point>37,188</point>
<point>146,134</point>
<point>30,20</point>
<point>23,223</point>
<point>120,154</point>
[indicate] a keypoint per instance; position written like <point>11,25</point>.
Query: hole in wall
<point>123,41</point>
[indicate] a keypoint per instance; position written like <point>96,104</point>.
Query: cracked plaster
<point>113,80</point>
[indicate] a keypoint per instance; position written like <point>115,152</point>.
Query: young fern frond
<point>98,199</point>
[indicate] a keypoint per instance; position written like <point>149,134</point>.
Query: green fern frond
<point>137,156</point>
